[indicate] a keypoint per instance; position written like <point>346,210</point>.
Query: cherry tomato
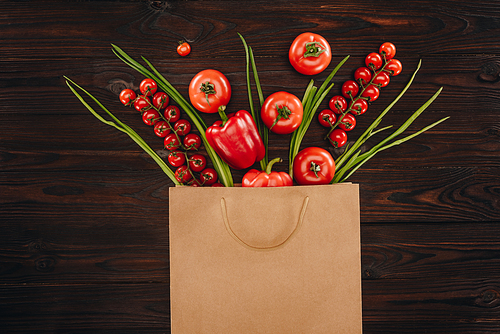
<point>176,158</point>
<point>171,142</point>
<point>374,61</point>
<point>394,67</point>
<point>182,174</point>
<point>208,90</point>
<point>337,138</point>
<point>382,79</point>
<point>150,117</point>
<point>310,53</point>
<point>313,165</point>
<point>327,118</point>
<point>148,87</point>
<point>142,103</point>
<point>359,107</point>
<point>160,100</point>
<point>172,114</point>
<point>182,127</point>
<point>350,89</point>
<point>371,92</point>
<point>197,162</point>
<point>208,177</point>
<point>161,129</point>
<point>282,112</point>
<point>347,123</point>
<point>363,75</point>
<point>183,49</point>
<point>338,104</point>
<point>127,96</point>
<point>388,50</point>
<point>192,142</point>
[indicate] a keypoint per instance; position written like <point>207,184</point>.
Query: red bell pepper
<point>267,178</point>
<point>236,139</point>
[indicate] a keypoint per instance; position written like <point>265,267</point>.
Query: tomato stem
<point>207,88</point>
<point>314,49</point>
<point>283,112</point>
<point>315,168</point>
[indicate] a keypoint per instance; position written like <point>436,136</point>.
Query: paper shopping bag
<point>265,260</point>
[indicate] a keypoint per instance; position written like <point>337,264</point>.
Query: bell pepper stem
<point>269,166</point>
<point>222,114</point>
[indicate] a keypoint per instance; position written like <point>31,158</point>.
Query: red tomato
<point>150,117</point>
<point>171,142</point>
<point>162,129</point>
<point>327,118</point>
<point>160,100</point>
<point>127,96</point>
<point>208,176</point>
<point>209,90</point>
<point>192,142</point>
<point>310,53</point>
<point>371,92</point>
<point>176,158</point>
<point>282,112</point>
<point>148,87</point>
<point>182,127</point>
<point>350,89</point>
<point>394,67</point>
<point>382,79</point>
<point>197,162</point>
<point>363,75</point>
<point>172,114</point>
<point>374,61</point>
<point>338,104</point>
<point>183,49</point>
<point>388,50</point>
<point>348,122</point>
<point>337,138</point>
<point>142,103</point>
<point>359,107</point>
<point>313,165</point>
<point>183,174</point>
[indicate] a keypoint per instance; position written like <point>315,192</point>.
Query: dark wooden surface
<point>84,212</point>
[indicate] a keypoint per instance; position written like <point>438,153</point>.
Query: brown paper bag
<point>265,260</point>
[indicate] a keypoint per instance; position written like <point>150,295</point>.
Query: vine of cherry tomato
<point>190,167</point>
<point>356,95</point>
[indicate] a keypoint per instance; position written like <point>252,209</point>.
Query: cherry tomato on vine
<point>183,175</point>
<point>192,142</point>
<point>184,48</point>
<point>208,177</point>
<point>148,87</point>
<point>363,75</point>
<point>350,89</point>
<point>127,96</point>
<point>142,103</point>
<point>282,112</point>
<point>197,162</point>
<point>182,127</point>
<point>150,117</point>
<point>208,90</point>
<point>327,118</point>
<point>338,104</point>
<point>394,67</point>
<point>388,50</point>
<point>348,122</point>
<point>176,158</point>
<point>359,107</point>
<point>371,92</point>
<point>310,53</point>
<point>382,79</point>
<point>161,129</point>
<point>374,61</point>
<point>172,114</point>
<point>171,142</point>
<point>313,165</point>
<point>337,138</point>
<point>160,100</point>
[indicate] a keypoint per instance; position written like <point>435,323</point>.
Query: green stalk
<point>220,166</point>
<point>123,128</point>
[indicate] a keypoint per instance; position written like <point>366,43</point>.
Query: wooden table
<point>84,211</point>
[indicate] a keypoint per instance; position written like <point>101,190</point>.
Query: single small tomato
<point>150,117</point>
<point>338,104</point>
<point>359,107</point>
<point>183,174</point>
<point>184,48</point>
<point>172,114</point>
<point>337,138</point>
<point>374,61</point>
<point>394,67</point>
<point>160,100</point>
<point>327,118</point>
<point>127,96</point>
<point>176,158</point>
<point>161,129</point>
<point>282,112</point>
<point>310,53</point>
<point>313,165</point>
<point>148,87</point>
<point>208,176</point>
<point>182,127</point>
<point>350,89</point>
<point>382,79</point>
<point>363,75</point>
<point>387,50</point>
<point>192,142</point>
<point>142,103</point>
<point>371,92</point>
<point>348,122</point>
<point>197,162</point>
<point>171,142</point>
<point>208,90</point>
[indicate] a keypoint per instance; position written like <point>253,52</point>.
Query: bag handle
<point>254,247</point>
